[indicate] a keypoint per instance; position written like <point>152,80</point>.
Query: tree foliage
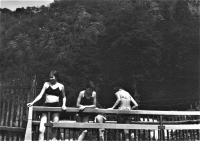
<point>154,44</point>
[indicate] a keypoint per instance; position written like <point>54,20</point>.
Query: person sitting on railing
<point>53,90</point>
<point>100,118</point>
<point>123,102</point>
<point>86,99</point>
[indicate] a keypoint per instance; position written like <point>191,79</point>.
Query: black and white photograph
<point>99,70</point>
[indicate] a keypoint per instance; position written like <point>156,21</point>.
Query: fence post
<point>161,127</point>
<point>191,106</point>
<point>48,125</point>
<point>28,134</point>
<point>1,100</point>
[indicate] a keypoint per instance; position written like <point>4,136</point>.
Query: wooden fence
<point>195,106</point>
<point>146,124</point>
<point>14,95</point>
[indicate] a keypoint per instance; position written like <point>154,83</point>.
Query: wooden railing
<point>160,125</point>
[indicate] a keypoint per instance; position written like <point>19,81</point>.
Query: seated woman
<point>52,90</point>
<point>86,99</point>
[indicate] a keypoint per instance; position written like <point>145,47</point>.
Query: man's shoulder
<point>82,92</point>
<point>93,93</point>
<point>122,93</point>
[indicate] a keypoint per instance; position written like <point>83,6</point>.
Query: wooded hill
<point>150,47</point>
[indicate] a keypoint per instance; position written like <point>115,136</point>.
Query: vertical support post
<point>28,134</point>
<point>161,128</point>
<point>48,127</point>
<point>1,97</point>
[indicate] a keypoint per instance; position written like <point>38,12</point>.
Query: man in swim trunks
<point>124,100</point>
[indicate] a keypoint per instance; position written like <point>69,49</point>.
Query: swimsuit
<point>86,101</point>
<point>55,92</point>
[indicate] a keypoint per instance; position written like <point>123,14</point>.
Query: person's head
<point>90,87</point>
<point>115,89</point>
<point>116,86</point>
<point>53,76</point>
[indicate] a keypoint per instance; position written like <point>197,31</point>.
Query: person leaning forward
<point>124,100</point>
<point>86,99</point>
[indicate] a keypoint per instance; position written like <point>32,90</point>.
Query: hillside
<point>151,48</point>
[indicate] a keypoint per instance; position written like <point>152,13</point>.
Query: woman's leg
<point>84,132</point>
<point>100,119</point>
<point>42,127</point>
<point>54,130</point>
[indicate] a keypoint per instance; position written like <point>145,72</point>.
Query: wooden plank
<point>1,98</point>
<point>116,111</point>
<point>12,129</point>
<point>1,136</point>
<point>8,106</point>
<point>12,107</point>
<point>10,136</point>
<point>103,125</point>
<point>3,108</point>
<point>18,109</point>
<point>27,101</point>
<point>1,104</point>
<point>148,132</point>
<point>28,133</point>
<point>183,127</point>
<point>15,109</point>
<point>183,122</point>
<point>21,107</point>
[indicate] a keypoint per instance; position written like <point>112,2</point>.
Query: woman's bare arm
<point>39,96</point>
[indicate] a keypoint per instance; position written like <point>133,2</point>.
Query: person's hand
<point>110,108</point>
<point>134,108</point>
<point>30,104</point>
<point>64,107</point>
<point>82,108</point>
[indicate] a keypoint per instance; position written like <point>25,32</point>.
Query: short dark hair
<point>54,73</point>
<point>116,89</point>
<point>90,84</point>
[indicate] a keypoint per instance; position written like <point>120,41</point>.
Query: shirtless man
<point>124,100</point>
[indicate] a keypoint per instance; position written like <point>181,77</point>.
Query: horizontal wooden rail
<point>183,127</point>
<point>122,126</point>
<point>36,122</point>
<point>103,125</point>
<point>116,111</point>
<point>12,129</point>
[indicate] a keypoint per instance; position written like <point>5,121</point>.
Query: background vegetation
<point>150,47</point>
